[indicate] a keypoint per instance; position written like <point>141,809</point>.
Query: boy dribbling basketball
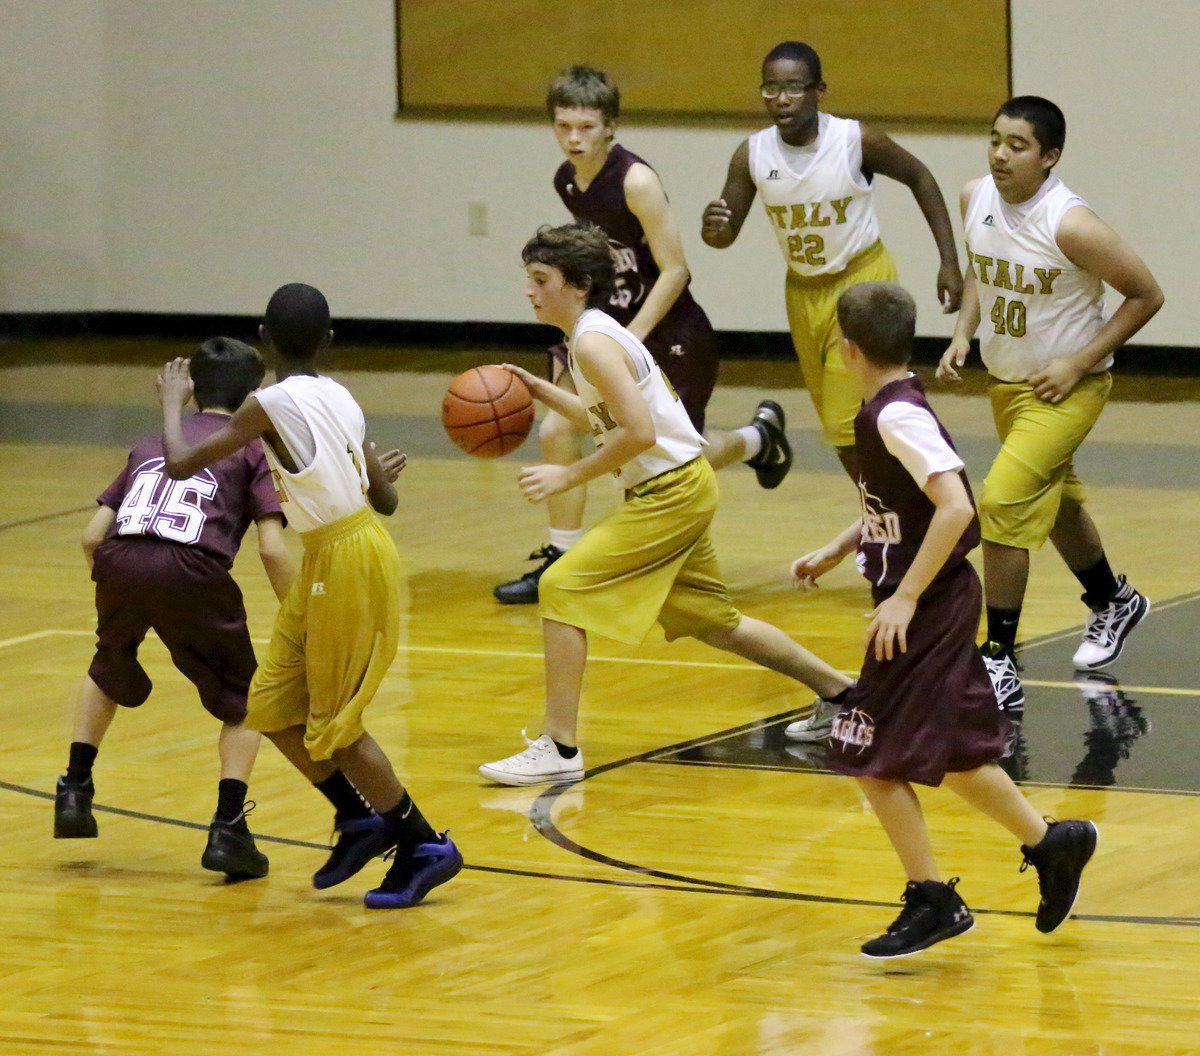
<point>650,560</point>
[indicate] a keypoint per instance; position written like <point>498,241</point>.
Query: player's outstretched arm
<point>274,554</point>
<point>606,366</point>
<point>1091,244</point>
<point>723,218</point>
<point>808,569</point>
<point>183,459</point>
<point>646,199</point>
<point>553,396</point>
<point>882,154</point>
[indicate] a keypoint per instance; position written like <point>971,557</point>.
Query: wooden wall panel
<point>907,60</point>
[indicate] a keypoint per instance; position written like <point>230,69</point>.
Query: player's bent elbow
<point>384,504</point>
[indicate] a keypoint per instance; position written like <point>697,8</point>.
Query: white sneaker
<point>817,726</point>
<point>1107,628</point>
<point>1002,670</point>
<point>538,764</point>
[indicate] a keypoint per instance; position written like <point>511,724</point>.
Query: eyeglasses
<point>792,89</point>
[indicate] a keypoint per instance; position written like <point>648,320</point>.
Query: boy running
<point>923,710</point>
<point>815,174</point>
<point>1038,259</point>
<point>650,560</point>
<point>602,183</point>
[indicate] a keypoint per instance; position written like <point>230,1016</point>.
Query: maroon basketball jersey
<point>896,512</point>
<point>603,204</point>
<point>210,511</point>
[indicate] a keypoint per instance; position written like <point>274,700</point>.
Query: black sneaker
<point>932,912</point>
<point>230,849</point>
<point>359,840</point>
<point>524,591</point>
<point>1059,860</point>
<point>73,818</point>
<point>1001,667</point>
<point>772,463</point>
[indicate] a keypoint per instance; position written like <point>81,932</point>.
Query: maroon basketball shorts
<point>930,710</point>
<point>685,347</point>
<point>193,605</point>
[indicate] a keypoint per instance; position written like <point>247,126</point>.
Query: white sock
<point>754,441</point>
<point>564,540</point>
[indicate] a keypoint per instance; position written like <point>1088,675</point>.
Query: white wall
<point>190,155</point>
<point>51,155</point>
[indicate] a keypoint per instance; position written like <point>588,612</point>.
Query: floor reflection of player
<point>1116,723</point>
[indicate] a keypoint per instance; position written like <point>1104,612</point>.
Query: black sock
<point>408,825</point>
<point>1098,582</point>
<point>840,698</point>
<point>347,803</point>
<point>231,798</point>
<point>1002,626</point>
<point>566,751</point>
<point>79,763</point>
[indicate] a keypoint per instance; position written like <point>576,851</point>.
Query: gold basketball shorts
<point>1033,471</point>
<point>812,317</point>
<point>334,638</point>
<point>648,561</point>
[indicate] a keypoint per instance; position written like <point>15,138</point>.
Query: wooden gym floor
<point>703,891</point>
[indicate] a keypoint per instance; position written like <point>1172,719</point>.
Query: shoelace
<point>912,906</point>
<point>1101,629</point>
<point>1005,679</point>
<point>247,808</point>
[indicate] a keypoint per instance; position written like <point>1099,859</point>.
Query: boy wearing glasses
<point>815,172</point>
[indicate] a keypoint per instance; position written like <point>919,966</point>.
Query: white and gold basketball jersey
<point>1034,304</point>
<point>818,201</point>
<point>323,428</point>
<point>676,439</point>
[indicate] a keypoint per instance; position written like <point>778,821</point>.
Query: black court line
<point>682,883</point>
<point>540,816</point>
<point>5,526</point>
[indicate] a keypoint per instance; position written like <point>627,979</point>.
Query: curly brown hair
<point>581,252</point>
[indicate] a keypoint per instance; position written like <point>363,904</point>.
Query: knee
<point>559,438</point>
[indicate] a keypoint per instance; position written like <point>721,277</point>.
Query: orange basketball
<point>487,411</point>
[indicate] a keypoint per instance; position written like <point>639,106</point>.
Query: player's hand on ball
<point>532,381</point>
<point>1055,381</point>
<point>174,383</point>
<point>393,463</point>
<point>952,360</point>
<point>539,481</point>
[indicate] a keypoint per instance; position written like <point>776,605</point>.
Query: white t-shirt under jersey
<point>1034,304</point>
<point>323,429</point>
<point>910,433</point>
<point>676,439</point>
<point>818,201</point>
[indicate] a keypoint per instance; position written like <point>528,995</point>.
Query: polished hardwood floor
<point>703,891</point>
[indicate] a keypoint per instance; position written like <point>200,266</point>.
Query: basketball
<point>487,411</point>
